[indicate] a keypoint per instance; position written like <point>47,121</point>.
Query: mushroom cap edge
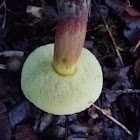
<point>56,94</point>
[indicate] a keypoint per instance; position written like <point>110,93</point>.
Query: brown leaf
<point>5,130</point>
<point>92,113</point>
<point>25,132</point>
<point>35,11</point>
<point>131,16</point>
<point>132,11</point>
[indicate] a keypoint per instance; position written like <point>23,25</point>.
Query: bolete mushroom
<point>64,78</point>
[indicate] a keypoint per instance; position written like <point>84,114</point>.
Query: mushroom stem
<point>70,34</point>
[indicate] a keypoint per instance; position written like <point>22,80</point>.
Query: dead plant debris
<point>113,36</point>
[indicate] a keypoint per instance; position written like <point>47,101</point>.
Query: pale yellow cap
<point>56,94</point>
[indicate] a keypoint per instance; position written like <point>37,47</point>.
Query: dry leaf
<point>19,113</point>
<point>12,53</point>
<point>117,5</point>
<point>25,132</point>
<point>35,11</point>
<point>132,11</point>
<point>45,121</point>
<point>92,113</point>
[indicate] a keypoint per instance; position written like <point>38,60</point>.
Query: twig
<point>2,66</point>
<point>2,4</point>
<point>110,34</point>
<point>12,53</point>
<point>113,119</point>
<point>4,20</point>
<point>128,2</point>
<point>136,46</point>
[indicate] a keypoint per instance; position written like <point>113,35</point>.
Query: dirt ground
<point>113,36</point>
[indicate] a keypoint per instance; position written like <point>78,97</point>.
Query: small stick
<point>136,46</point>
<point>4,20</point>
<point>113,119</point>
<point>110,34</point>
<point>12,53</point>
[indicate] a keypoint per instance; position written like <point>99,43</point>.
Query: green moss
<point>103,41</point>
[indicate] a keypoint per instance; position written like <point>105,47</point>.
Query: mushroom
<point>64,78</point>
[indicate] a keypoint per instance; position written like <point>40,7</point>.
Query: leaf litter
<point>115,115</point>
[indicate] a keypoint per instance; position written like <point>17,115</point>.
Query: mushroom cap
<point>56,94</point>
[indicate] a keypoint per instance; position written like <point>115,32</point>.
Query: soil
<point>115,115</point>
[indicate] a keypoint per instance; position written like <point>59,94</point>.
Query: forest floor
<point>113,36</point>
